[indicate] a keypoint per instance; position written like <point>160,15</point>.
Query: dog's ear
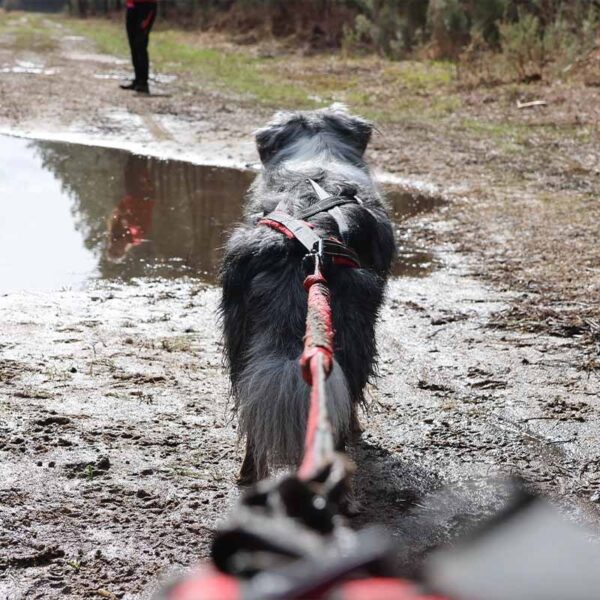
<point>278,134</point>
<point>355,131</point>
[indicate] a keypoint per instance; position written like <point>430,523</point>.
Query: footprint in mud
<point>88,470</point>
<point>139,378</point>
<point>446,318</point>
<point>483,379</point>
<point>11,369</point>
<point>562,410</point>
<point>33,393</point>
<point>52,420</point>
<point>41,556</point>
<point>435,387</point>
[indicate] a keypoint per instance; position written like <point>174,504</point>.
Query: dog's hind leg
<point>356,428</point>
<point>251,471</point>
<point>346,502</point>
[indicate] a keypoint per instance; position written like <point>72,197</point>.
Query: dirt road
<point>118,448</point>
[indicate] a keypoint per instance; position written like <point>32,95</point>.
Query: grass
<point>26,33</point>
<point>378,88</point>
<point>180,52</point>
<point>422,93</point>
<point>513,138</point>
<point>180,343</point>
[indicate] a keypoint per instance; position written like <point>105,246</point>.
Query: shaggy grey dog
<point>263,306</point>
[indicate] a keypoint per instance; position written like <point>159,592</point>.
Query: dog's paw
<point>245,479</point>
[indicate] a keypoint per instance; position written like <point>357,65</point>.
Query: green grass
<point>420,76</point>
<point>34,41</point>
<point>25,32</point>
<point>521,134</point>
<point>174,51</point>
<point>104,34</point>
<point>379,89</point>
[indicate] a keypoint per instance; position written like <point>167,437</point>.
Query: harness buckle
<point>319,249</point>
<point>315,259</point>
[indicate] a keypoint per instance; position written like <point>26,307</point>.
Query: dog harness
<point>297,228</point>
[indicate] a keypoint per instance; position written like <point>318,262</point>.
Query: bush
<point>495,39</point>
<point>448,27</point>
<point>522,44</point>
<point>390,27</point>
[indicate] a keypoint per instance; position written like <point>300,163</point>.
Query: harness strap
<point>326,204</point>
<point>341,221</point>
<point>301,231</point>
<point>340,253</point>
<point>330,203</point>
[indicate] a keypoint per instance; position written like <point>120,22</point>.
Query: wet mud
<point>119,453</point>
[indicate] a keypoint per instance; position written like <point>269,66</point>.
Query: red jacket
<point>132,3</point>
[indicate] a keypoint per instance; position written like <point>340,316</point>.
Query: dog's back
<point>264,302</point>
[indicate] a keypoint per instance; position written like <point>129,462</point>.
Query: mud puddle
<point>75,213</point>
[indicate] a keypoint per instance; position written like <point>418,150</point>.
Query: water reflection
<point>149,217</point>
<point>91,212</point>
<point>131,222</point>
<point>412,260</point>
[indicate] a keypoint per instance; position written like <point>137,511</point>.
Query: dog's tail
<point>273,403</point>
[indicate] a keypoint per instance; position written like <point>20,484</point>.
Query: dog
<point>263,305</point>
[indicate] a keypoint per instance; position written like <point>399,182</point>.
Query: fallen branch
<point>531,104</point>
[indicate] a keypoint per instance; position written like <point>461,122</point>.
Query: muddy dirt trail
<point>35,83</point>
<point>118,448</point>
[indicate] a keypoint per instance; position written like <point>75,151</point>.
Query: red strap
<point>277,227</point>
<point>381,588</point>
<point>339,253</point>
<point>340,261</point>
<point>207,584</point>
<point>316,363</point>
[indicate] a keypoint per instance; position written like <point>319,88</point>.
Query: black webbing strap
<point>301,231</point>
<point>336,250</point>
<point>325,204</point>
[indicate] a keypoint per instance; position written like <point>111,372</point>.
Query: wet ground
<point>119,447</point>
<point>117,443</point>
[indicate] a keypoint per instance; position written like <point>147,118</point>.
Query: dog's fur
<point>263,306</point>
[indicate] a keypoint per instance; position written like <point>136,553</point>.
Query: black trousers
<point>140,19</point>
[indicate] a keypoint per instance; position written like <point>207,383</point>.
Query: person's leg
<point>130,25</point>
<point>146,22</point>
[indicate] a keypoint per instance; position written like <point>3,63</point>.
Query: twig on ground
<point>532,104</point>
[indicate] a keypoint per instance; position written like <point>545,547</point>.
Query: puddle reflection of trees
<point>412,260</point>
<point>171,215</point>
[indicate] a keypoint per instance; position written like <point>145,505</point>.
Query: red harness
<point>303,232</point>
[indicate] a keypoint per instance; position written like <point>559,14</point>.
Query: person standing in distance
<point>139,20</point>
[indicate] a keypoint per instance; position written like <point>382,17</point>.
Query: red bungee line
<point>316,363</point>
